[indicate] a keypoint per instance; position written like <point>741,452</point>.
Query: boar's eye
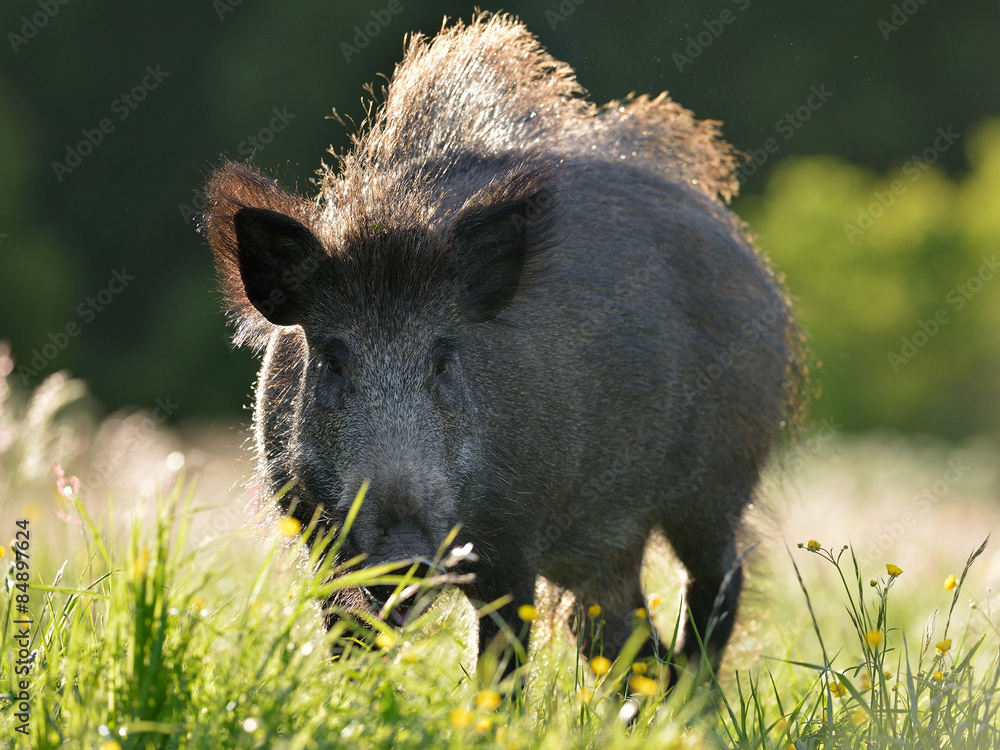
<point>333,363</point>
<point>333,377</point>
<point>442,362</point>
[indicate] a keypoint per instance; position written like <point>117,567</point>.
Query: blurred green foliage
<point>897,284</point>
<point>230,65</point>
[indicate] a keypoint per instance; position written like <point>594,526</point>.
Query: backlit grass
<point>171,618</point>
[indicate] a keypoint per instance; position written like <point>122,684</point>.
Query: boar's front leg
<point>608,605</point>
<point>503,635</point>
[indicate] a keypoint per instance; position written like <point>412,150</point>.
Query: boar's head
<point>388,308</point>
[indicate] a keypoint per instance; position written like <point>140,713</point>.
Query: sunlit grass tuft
<point>883,691</point>
<point>141,650</point>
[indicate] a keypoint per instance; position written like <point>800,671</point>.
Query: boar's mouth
<point>411,554</point>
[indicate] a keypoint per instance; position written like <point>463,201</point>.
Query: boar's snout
<point>409,549</point>
<point>402,512</point>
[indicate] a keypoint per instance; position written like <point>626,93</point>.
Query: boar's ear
<point>499,242</point>
<point>276,256</point>
<point>264,251</point>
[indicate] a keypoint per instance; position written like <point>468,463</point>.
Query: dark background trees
<point>112,113</point>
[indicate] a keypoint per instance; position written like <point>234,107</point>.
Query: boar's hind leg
<point>617,590</point>
<point>715,577</point>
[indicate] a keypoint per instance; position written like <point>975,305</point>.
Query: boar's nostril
<point>405,531</point>
<point>403,541</point>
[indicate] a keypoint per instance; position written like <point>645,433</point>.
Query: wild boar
<point>519,314</point>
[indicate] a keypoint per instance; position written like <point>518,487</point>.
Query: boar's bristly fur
<point>516,313</point>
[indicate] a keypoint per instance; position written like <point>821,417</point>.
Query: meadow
<point>169,609</point>
<point>165,606</point>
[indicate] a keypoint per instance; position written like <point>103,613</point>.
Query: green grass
<point>137,647</point>
<point>173,620</point>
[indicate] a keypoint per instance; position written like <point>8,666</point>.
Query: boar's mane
<point>439,150</point>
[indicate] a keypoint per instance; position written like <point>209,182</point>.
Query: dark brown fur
<point>574,272</point>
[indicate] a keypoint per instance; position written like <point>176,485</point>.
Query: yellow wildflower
<point>813,545</point>
<point>140,564</point>
<point>938,675</point>
<point>641,613</point>
<point>110,745</point>
<point>837,688</point>
<point>893,570</point>
<point>594,609</point>
<point>875,638</point>
<point>585,694</point>
<point>950,583</point>
<point>866,681</point>
<point>483,724</point>
<point>859,717</point>
<point>943,646</point>
<point>600,665</point>
<point>640,667</point>
<point>385,639</point>
<point>460,717</point>
<point>873,583</point>
<point>527,613</point>
<point>654,601</point>
<point>289,527</point>
<point>487,699</point>
<point>642,685</point>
